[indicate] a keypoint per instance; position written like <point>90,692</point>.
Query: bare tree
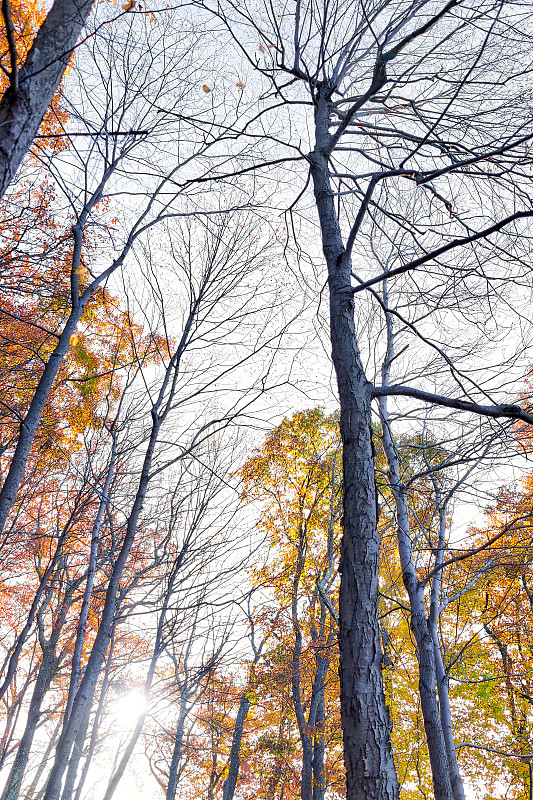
<point>384,151</point>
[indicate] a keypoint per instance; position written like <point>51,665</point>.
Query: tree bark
<point>173,772</point>
<point>102,640</point>
<point>230,784</point>
<point>31,89</point>
<point>368,758</point>
<point>16,774</point>
<point>442,677</point>
<point>419,625</point>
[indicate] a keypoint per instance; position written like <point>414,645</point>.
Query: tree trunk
<point>173,772</point>
<point>442,678</point>
<point>97,716</point>
<point>319,778</point>
<point>419,625</point>
<point>32,87</point>
<point>91,572</point>
<point>87,686</point>
<point>234,760</point>
<point>368,759</point>
<point>31,792</point>
<point>16,774</point>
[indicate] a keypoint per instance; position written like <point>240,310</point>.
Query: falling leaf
<point>74,339</point>
<point>129,5</point>
<point>240,84</point>
<point>206,88</point>
<point>261,48</point>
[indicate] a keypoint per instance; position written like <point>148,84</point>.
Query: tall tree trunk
<point>76,755</point>
<point>173,772</point>
<point>31,792</point>
<point>16,774</point>
<point>230,783</point>
<point>87,686</point>
<point>31,88</point>
<point>96,721</point>
<point>49,665</point>
<point>91,572</point>
<point>427,683</point>
<point>368,758</point>
<point>319,776</point>
<point>442,677</point>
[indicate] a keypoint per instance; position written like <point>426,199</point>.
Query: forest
<point>266,400</point>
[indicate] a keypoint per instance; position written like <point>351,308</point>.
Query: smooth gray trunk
<point>31,89</point>
<point>87,685</point>
<point>28,427</point>
<point>16,774</point>
<point>173,772</point>
<point>47,669</point>
<point>442,677</point>
<point>91,572</point>
<point>419,625</point>
<point>368,758</point>
<point>96,721</point>
<point>230,783</point>
<point>319,776</point>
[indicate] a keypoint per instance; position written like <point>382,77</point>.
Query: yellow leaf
<point>240,84</point>
<point>206,88</point>
<point>129,5</point>
<point>74,339</point>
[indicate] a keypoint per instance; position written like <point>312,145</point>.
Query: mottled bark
<point>369,763</point>
<point>427,679</point>
<point>31,88</point>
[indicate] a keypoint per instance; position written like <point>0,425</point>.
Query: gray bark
<point>87,685</point>
<point>442,677</point>
<point>230,783</point>
<point>319,751</point>
<point>47,670</point>
<point>16,774</point>
<point>306,789</point>
<point>32,87</point>
<point>173,772</point>
<point>91,572</point>
<point>96,721</point>
<point>418,620</point>
<point>368,758</point>
<point>75,756</point>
